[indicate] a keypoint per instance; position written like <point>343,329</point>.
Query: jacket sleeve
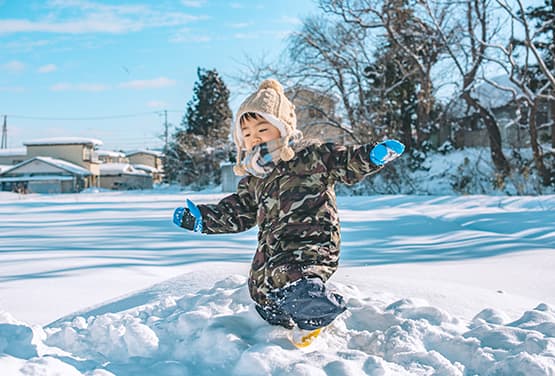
<point>348,164</point>
<point>234,213</point>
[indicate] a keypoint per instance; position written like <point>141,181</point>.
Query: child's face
<point>257,131</point>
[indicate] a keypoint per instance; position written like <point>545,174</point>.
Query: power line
<point>106,117</point>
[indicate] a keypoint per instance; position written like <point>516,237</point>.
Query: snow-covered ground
<point>104,283</point>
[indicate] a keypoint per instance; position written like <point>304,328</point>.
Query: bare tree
<point>332,57</point>
<point>468,56</point>
<point>523,68</point>
<point>413,38</point>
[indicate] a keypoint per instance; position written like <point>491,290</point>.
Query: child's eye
<point>247,135</point>
<point>262,130</point>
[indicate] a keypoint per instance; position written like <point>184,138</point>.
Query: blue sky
<point>79,59</point>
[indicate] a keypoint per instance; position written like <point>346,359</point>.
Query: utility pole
<point>4,144</point>
<point>165,129</point>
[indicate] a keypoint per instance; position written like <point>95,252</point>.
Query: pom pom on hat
<point>270,83</point>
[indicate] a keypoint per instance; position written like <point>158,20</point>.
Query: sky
<point>108,69</point>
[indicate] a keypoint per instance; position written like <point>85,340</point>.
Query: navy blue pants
<point>306,303</point>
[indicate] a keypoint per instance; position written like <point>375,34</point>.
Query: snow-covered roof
<point>488,95</point>
<point>5,167</point>
<point>36,178</point>
<point>146,168</point>
<point>146,151</point>
<point>64,141</point>
<point>15,152</point>
<point>109,153</point>
<point>64,165</point>
<point>491,96</point>
<point>119,168</point>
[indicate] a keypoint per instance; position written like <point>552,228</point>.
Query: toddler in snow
<point>288,191</point>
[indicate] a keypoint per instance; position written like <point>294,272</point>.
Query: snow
<point>104,284</point>
<point>64,165</point>
<point>145,151</point>
<point>5,168</point>
<point>489,95</point>
<point>498,94</point>
<point>37,178</point>
<point>64,141</point>
<point>146,168</point>
<point>109,153</point>
<point>119,168</point>
<point>13,152</point>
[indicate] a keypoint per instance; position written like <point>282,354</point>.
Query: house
<point>143,159</point>
<point>44,175</point>
<point>473,133</point>
<point>313,108</point>
<point>76,150</point>
<point>11,157</point>
<point>109,156</point>
<point>123,176</point>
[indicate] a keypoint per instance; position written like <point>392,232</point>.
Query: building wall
<point>11,160</point>
<point>45,186</point>
<point>145,159</point>
<point>110,159</point>
<point>70,153</point>
<point>310,121</point>
<point>229,179</point>
<point>125,182</point>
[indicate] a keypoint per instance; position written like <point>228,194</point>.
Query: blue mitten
<point>386,151</point>
<point>189,217</point>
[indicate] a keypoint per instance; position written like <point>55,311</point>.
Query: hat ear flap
<point>238,169</point>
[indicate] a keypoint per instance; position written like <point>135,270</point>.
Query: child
<point>288,191</point>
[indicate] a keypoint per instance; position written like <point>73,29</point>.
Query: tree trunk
<point>497,156</point>
<point>552,109</point>
<point>536,149</point>
<point>406,130</point>
<point>424,109</point>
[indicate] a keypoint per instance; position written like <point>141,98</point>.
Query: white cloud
<point>12,89</point>
<point>193,3</point>
<point>157,104</point>
<point>13,66</point>
<point>155,83</point>
<point>87,87</point>
<point>26,44</point>
<point>47,68</point>
<point>290,20</point>
<point>245,36</point>
<point>188,36</point>
<point>239,25</point>
<point>236,5</point>
<point>91,17</point>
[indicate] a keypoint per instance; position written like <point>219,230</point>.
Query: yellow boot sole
<point>305,340</point>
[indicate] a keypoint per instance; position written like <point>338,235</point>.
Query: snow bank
<point>216,331</point>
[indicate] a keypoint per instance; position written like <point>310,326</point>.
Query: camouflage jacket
<point>296,213</point>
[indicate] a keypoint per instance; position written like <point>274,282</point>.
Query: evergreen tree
<point>392,96</point>
<point>201,143</point>
<point>208,113</point>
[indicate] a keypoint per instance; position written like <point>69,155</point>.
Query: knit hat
<point>270,102</point>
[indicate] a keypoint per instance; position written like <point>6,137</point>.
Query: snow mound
<point>216,331</point>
